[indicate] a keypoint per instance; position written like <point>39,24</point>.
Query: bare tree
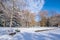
<point>43,16</point>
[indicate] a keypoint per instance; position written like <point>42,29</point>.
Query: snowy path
<point>26,35</point>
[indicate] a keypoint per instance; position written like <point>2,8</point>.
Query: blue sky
<point>52,5</point>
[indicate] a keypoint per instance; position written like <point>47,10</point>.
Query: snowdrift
<point>26,34</point>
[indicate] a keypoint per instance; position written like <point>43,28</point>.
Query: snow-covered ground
<point>30,34</point>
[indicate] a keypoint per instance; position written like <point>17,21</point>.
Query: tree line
<point>12,16</point>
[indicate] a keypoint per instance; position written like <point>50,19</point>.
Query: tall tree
<point>43,15</point>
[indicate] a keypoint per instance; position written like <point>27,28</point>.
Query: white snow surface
<point>30,34</point>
